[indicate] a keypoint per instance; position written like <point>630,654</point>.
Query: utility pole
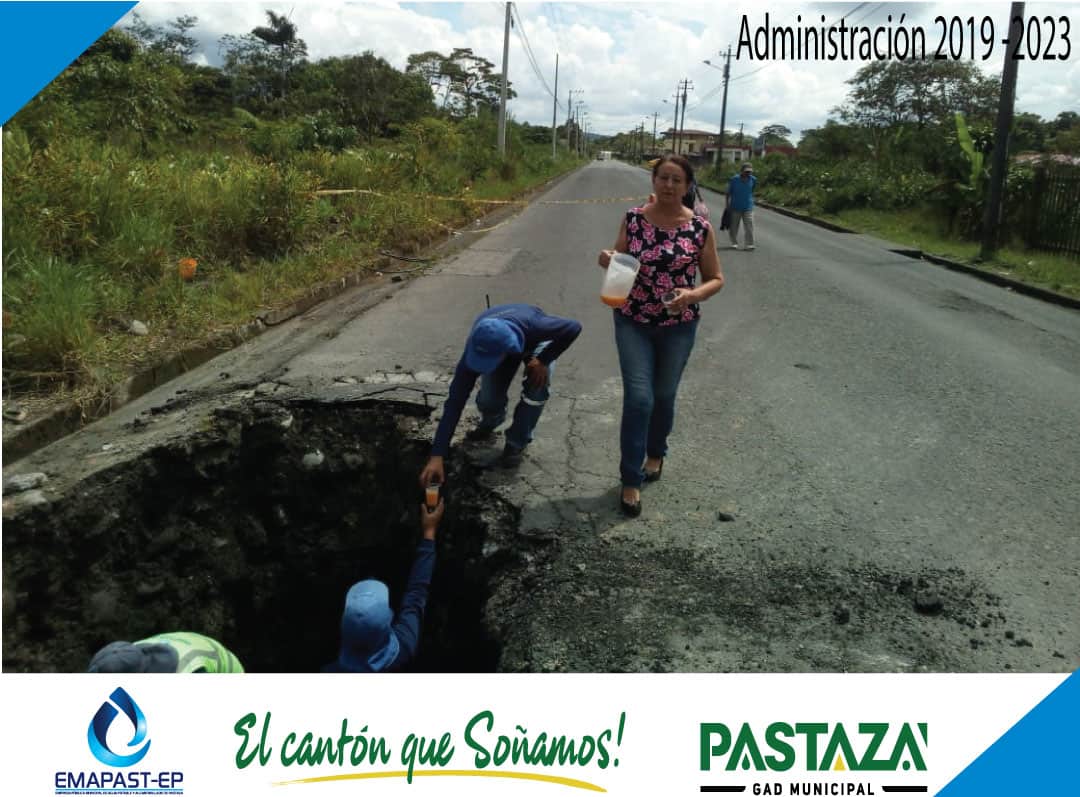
<point>675,125</point>
<point>554,106</point>
<point>992,214</point>
<point>569,113</point>
<point>682,125</point>
<point>723,109</point>
<point>502,97</point>
<point>654,116</point>
<point>577,126</point>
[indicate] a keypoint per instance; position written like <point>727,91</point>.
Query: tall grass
<point>93,230</point>
<point>56,306</point>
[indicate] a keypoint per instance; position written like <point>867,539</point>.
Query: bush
<point>52,306</point>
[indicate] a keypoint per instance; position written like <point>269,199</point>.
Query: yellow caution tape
<point>368,191</point>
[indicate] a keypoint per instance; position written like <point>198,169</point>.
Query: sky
<point>625,60</point>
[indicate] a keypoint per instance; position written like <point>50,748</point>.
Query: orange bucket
<point>187,268</point>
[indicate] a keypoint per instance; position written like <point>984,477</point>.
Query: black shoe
<point>629,509</point>
<point>511,456</point>
<point>480,434</point>
<point>654,475</point>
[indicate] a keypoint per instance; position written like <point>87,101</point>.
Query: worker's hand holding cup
<point>431,495</point>
<point>430,519</point>
<point>433,473</point>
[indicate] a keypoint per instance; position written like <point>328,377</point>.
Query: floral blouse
<point>670,258</point>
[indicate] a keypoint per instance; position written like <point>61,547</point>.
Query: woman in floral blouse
<point>655,337</point>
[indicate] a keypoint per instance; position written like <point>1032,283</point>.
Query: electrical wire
<point>523,36</point>
<point>855,10</point>
<point>549,12</point>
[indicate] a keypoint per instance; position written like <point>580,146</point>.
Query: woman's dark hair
<point>691,195</point>
<point>679,161</point>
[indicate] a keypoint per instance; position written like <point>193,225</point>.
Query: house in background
<point>701,146</point>
<point>692,143</point>
<point>734,154</point>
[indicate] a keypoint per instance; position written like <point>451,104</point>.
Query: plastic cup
<point>431,495</point>
<point>667,299</point>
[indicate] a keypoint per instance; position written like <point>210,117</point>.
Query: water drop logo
<point>97,733</point>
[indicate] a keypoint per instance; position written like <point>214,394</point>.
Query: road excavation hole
<point>251,531</point>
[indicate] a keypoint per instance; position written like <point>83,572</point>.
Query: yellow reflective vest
<point>197,653</point>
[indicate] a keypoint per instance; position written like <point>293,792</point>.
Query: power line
<point>520,28</point>
<point>855,10</point>
<point>523,36</point>
<point>549,12</point>
<point>748,74</point>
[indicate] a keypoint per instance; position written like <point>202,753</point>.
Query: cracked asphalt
<point>874,464</point>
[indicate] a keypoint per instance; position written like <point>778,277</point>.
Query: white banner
<point>326,735</point>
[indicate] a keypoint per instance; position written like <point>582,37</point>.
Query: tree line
<point>140,81</point>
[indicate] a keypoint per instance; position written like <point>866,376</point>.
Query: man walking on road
<point>740,203</point>
<point>501,340</point>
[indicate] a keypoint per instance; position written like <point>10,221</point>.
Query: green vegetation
<point>135,159</point>
<point>908,160</point>
<point>921,229</point>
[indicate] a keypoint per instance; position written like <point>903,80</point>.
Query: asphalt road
<point>898,445</point>
<point>884,432</point>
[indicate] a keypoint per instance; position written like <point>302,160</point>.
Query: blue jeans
<point>652,360</point>
<point>492,400</point>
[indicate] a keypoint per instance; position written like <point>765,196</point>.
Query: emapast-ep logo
<point>823,759</point>
<point>107,738</point>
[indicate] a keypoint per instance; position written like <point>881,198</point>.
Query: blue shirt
<point>535,327</point>
<point>410,616</point>
<point>741,193</point>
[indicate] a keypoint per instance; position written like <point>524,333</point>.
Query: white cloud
<point>628,57</point>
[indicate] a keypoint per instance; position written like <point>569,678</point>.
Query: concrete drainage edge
<point>71,417</point>
<point>997,279</point>
<point>828,225</point>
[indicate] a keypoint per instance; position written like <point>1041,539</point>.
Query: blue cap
<point>491,339</point>
<point>368,644</point>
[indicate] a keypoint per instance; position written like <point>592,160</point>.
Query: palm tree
<point>281,33</point>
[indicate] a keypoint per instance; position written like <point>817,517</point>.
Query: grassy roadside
<point>919,228</point>
<point>85,309</point>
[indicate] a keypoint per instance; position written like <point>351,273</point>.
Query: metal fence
<point>1054,220</point>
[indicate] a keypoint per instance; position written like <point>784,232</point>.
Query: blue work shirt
<point>741,193</point>
<point>410,617</point>
<point>535,327</point>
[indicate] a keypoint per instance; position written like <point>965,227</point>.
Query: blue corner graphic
<point>1036,756</point>
<point>41,39</point>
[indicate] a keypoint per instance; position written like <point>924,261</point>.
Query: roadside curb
<point>70,417</point>
<point>996,279</point>
<point>828,225</point>
<point>917,254</point>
